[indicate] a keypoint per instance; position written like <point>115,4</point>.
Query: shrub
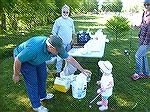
<point>117,27</point>
<point>115,6</point>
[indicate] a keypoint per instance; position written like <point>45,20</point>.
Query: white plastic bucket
<point>79,86</point>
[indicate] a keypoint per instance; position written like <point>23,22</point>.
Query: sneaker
<point>137,76</point>
<point>147,76</point>
<point>102,108</point>
<point>40,109</point>
<point>99,103</point>
<point>48,97</point>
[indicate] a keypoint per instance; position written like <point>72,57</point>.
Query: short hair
<point>66,6</point>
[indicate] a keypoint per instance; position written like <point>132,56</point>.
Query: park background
<point>22,19</point>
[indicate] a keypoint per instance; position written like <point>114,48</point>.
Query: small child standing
<point>106,83</point>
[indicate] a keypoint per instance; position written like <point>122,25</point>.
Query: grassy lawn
<point>128,95</point>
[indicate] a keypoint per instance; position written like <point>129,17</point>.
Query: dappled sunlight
<point>91,27</point>
<point>124,39</point>
<point>2,35</point>
<point>116,52</point>
<point>70,98</point>
<point>90,20</point>
<point>103,21</point>
<point>24,31</point>
<point>8,46</point>
<point>123,102</point>
<point>50,82</point>
<point>135,37</point>
<point>100,21</point>
<point>23,99</point>
<point>44,28</point>
<point>50,79</point>
<point>19,99</point>
<point>148,85</point>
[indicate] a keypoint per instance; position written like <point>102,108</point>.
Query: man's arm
<point>73,37</point>
<point>16,68</point>
<point>73,62</point>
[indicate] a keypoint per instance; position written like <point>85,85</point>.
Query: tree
<point>115,6</point>
<point>117,27</point>
<point>6,9</point>
<point>19,14</point>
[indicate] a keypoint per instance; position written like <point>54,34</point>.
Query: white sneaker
<point>99,103</point>
<point>41,109</point>
<point>103,108</point>
<point>48,97</point>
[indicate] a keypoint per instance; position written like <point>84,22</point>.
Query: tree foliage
<point>24,14</point>
<point>115,6</point>
<point>117,27</point>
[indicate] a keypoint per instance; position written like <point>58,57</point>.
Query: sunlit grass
<point>148,85</point>
<point>124,102</point>
<point>127,94</point>
<point>91,27</point>
<point>8,46</point>
<point>116,52</point>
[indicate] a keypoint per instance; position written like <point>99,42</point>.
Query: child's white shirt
<point>105,81</point>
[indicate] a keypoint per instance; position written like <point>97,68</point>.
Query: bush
<point>117,27</point>
<point>115,6</point>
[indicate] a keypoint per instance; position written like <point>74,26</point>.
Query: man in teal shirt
<point>29,59</point>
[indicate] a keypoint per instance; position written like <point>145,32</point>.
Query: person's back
<point>32,50</point>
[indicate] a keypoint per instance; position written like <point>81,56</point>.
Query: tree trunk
<point>14,22</point>
<point>3,19</point>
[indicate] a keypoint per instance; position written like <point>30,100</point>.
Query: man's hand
<point>87,72</point>
<point>103,89</point>
<point>100,90</point>
<point>98,82</point>
<point>16,78</point>
<point>16,68</point>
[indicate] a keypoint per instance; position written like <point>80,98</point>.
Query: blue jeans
<point>142,66</point>
<point>35,81</point>
<point>60,60</point>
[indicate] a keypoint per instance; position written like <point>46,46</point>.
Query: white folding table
<point>90,52</point>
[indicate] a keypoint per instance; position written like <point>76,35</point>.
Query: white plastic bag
<point>69,69</point>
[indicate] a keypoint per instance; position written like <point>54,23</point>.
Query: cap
<point>106,66</point>
<point>146,1</point>
<point>56,42</point>
<point>65,6</point>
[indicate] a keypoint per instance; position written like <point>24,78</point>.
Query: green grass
<point>126,94</point>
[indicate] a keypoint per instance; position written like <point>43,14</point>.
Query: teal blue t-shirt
<point>34,51</point>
